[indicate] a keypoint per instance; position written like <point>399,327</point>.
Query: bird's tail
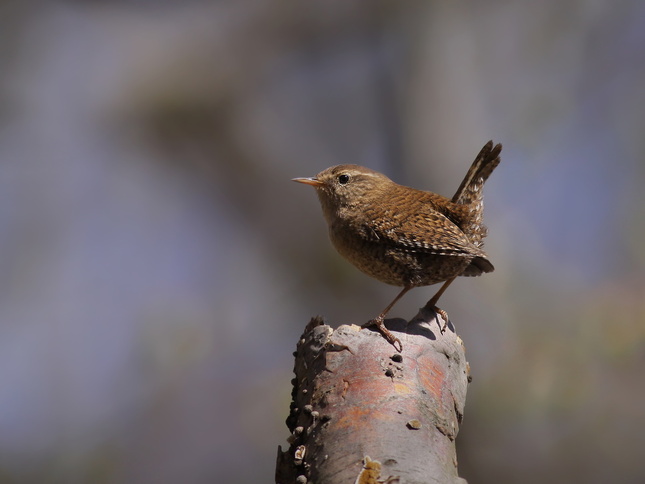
<point>470,190</point>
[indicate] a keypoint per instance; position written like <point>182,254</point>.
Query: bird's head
<point>342,188</point>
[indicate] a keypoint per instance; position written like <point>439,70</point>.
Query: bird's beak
<point>313,181</point>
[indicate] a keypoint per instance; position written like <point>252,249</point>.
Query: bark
<point>363,413</point>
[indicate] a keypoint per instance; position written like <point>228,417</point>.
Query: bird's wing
<point>423,231</point>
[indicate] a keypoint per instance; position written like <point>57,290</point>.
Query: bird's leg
<point>378,322</point>
<point>432,304</point>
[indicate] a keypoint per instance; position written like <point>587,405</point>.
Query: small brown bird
<point>403,236</point>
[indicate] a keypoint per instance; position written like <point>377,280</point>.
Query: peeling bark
<point>363,413</point>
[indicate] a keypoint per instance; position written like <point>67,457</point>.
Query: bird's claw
<point>387,334</point>
<point>444,316</point>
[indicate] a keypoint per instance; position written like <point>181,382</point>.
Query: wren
<point>404,236</point>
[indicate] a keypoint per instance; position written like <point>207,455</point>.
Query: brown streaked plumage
<point>404,236</point>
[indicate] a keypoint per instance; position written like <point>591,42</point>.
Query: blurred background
<point>157,265</point>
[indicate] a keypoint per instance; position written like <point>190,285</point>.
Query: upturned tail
<point>471,193</point>
<point>470,190</point>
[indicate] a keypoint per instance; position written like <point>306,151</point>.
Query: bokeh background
<point>157,266</point>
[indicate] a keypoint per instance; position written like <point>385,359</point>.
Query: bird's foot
<point>444,316</point>
<point>439,312</point>
<point>387,334</point>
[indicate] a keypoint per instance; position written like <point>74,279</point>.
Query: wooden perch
<point>362,413</point>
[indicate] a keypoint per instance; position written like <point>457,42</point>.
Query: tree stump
<point>361,412</point>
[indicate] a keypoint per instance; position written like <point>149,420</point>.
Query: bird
<point>403,236</point>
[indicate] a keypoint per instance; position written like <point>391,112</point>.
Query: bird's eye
<point>343,179</point>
